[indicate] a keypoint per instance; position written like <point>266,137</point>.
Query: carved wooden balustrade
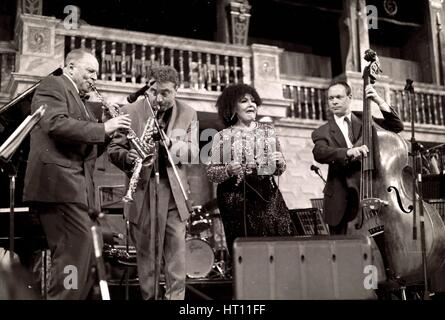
<point>308,97</point>
<point>428,102</point>
<point>309,100</point>
<point>126,56</point>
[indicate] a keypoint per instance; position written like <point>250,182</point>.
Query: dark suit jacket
<point>180,131</point>
<point>330,148</point>
<point>63,147</point>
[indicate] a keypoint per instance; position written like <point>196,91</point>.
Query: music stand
<point>7,150</point>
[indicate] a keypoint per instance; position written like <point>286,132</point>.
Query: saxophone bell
<point>146,147</point>
<point>133,181</point>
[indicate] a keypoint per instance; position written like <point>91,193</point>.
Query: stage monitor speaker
<point>293,268</point>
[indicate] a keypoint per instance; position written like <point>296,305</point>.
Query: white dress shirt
<point>341,123</point>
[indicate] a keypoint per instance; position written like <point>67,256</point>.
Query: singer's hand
<point>234,168</point>
<point>278,157</point>
<point>119,122</point>
<point>132,155</point>
<point>357,152</point>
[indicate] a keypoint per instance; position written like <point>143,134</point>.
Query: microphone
<point>315,168</point>
<point>317,171</point>
<point>134,96</point>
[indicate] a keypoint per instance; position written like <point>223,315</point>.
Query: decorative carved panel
<point>239,18</point>
<point>32,6</point>
<point>38,41</point>
<point>266,67</point>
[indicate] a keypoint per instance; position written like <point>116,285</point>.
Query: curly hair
<point>165,74</point>
<point>228,99</point>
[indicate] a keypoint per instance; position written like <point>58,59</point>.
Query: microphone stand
<point>314,216</point>
<point>157,182</point>
<point>317,171</point>
<point>416,157</point>
<point>155,219</point>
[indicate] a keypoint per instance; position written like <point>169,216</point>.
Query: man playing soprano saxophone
<point>175,116</point>
<point>59,177</point>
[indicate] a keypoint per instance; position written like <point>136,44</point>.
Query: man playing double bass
<point>334,145</point>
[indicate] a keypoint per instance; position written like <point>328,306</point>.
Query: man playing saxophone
<point>164,227</point>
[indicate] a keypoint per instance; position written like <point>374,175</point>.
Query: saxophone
<point>145,146</point>
<point>145,150</point>
<point>147,139</point>
<point>133,181</point>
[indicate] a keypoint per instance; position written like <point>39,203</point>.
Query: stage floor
<point>196,289</point>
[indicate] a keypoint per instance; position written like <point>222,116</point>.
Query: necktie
<point>350,132</point>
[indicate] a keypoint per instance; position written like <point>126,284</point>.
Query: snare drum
<point>199,258</point>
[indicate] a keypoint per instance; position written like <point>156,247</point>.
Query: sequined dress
<point>266,213</point>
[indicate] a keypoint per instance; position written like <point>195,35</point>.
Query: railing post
<point>266,71</point>
<point>266,78</point>
<point>40,51</point>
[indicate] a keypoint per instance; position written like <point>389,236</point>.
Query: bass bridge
<point>371,208</point>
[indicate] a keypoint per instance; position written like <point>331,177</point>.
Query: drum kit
<point>206,249</point>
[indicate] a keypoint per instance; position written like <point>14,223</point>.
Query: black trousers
<point>67,227</point>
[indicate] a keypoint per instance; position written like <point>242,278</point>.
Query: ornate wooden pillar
<point>39,50</point>
<point>435,28</point>
<point>233,21</point>
<point>239,21</point>
<point>354,37</point>
<point>354,40</point>
<point>31,6</point>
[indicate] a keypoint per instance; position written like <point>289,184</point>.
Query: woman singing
<point>245,157</point>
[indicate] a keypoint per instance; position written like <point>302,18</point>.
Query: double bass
<point>385,187</point>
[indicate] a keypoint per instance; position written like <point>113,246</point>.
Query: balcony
<point>205,68</point>
<point>126,56</point>
<point>295,99</point>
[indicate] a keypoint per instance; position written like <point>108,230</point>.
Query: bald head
<point>77,55</point>
<point>82,67</point>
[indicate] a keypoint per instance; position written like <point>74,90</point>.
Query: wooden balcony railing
<point>126,56</point>
<point>309,101</point>
<point>428,103</point>
<point>308,98</point>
